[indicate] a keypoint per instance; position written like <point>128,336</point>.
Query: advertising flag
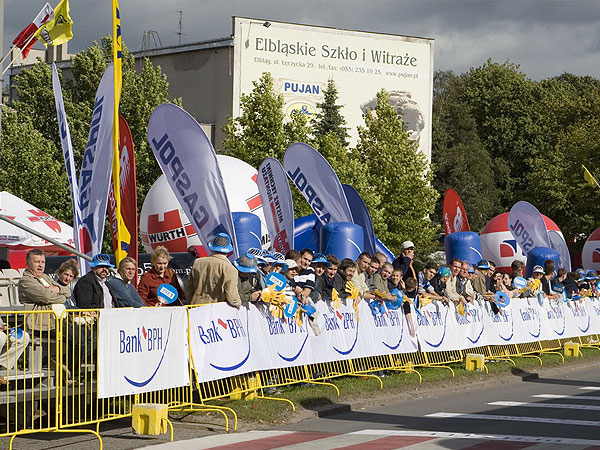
<point>557,242</point>
<point>57,30</point>
<point>67,148</point>
<point>361,216</point>
<point>123,236</point>
<point>94,177</point>
<point>527,226</point>
<point>318,183</point>
<point>25,39</point>
<point>278,206</point>
<point>455,217</point>
<point>587,175</point>
<point>128,188</point>
<point>189,162</point>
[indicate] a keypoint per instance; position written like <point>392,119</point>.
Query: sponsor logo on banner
<point>285,335</point>
<point>299,179</point>
<point>581,316</point>
<point>596,255</point>
<point>472,320</point>
<point>434,320</point>
<point>340,322</point>
<point>301,108</point>
<point>556,317</point>
<point>231,332</point>
<point>392,318</point>
<point>151,341</point>
<point>508,248</point>
<point>531,318</point>
<point>504,323</point>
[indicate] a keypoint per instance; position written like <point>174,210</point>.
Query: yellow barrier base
<point>572,349</point>
<point>150,418</point>
<point>475,362</point>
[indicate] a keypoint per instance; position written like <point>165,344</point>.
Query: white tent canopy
<point>21,211</point>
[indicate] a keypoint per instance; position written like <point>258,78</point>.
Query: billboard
<point>302,58</point>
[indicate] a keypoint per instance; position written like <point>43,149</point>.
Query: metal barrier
<point>50,365</point>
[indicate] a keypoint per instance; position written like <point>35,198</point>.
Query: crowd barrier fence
<point>52,378</point>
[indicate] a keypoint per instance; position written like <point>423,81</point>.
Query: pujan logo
<point>145,341</point>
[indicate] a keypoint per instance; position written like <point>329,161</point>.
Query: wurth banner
<point>320,186</point>
<point>455,217</point>
<point>527,226</point>
<point>189,162</point>
<point>94,178</point>
<point>361,216</point>
<point>67,148</point>
<point>128,191</point>
<point>277,204</point>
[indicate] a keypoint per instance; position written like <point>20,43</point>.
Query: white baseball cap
<point>407,244</point>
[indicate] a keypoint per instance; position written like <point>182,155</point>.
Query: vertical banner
<point>128,192</point>
<point>189,162</point>
<point>361,216</point>
<point>141,350</point>
<point>318,183</point>
<point>94,177</point>
<point>527,226</point>
<point>557,242</point>
<point>277,204</point>
<point>67,148</point>
<point>455,217</point>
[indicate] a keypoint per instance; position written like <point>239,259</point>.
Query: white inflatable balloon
<point>499,245</point>
<point>163,222</point>
<point>591,252</point>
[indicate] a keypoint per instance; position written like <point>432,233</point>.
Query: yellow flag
<point>58,30</point>
<point>587,175</point>
<point>123,236</point>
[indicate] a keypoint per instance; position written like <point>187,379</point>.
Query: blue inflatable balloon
<point>167,293</point>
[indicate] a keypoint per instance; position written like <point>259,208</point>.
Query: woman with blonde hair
<point>67,274</point>
<point>159,274</point>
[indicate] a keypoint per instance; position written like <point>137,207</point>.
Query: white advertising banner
<point>226,341</point>
<point>142,350</point>
<point>303,58</point>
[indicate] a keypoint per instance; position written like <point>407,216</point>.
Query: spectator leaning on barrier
<point>92,290</point>
<point>249,286</point>
<point>438,282</point>
<point>306,277</point>
<point>359,279</point>
<point>411,293</point>
<point>380,279</point>
<point>517,268</point>
<point>396,281</point>
<point>121,287</point>
<point>159,274</point>
<point>458,286</point>
<point>381,257</point>
<point>345,273</point>
<point>320,263</point>
<point>425,277</point>
<point>213,278</point>
<point>370,272</point>
<point>324,283</point>
<point>404,262</point>
<point>37,291</point>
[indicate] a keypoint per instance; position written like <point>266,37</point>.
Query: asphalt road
<point>561,410</point>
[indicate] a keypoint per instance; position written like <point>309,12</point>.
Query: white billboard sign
<point>302,58</point>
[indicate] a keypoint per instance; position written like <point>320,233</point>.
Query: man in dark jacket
<point>92,290</point>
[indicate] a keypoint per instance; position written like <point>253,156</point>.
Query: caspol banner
<point>189,162</point>
<point>278,206</point>
<point>67,148</point>
<point>94,178</point>
<point>128,191</point>
<point>558,243</point>
<point>455,217</point>
<point>318,183</point>
<point>141,350</point>
<point>527,226</point>
<point>361,216</point>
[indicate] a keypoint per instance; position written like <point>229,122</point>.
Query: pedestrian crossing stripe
<point>446,415</point>
<point>547,405</point>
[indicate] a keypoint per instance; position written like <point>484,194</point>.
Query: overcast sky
<point>545,37</point>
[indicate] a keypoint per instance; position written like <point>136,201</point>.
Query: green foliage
<point>141,93</point>
<point>329,119</point>
<point>460,159</point>
<point>402,177</point>
<point>258,132</point>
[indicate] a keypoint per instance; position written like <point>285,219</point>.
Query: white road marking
<point>580,397</point>
<point>590,388</point>
<point>444,415</point>
<point>496,437</point>
<point>546,405</point>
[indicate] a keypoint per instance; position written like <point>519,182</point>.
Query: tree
<point>459,158</point>
<point>329,119</point>
<point>402,177</point>
<point>141,93</point>
<point>258,132</point>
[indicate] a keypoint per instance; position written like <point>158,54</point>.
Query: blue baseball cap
<point>101,260</point>
<point>444,272</point>
<point>483,264</point>
<point>221,243</point>
<point>320,258</point>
